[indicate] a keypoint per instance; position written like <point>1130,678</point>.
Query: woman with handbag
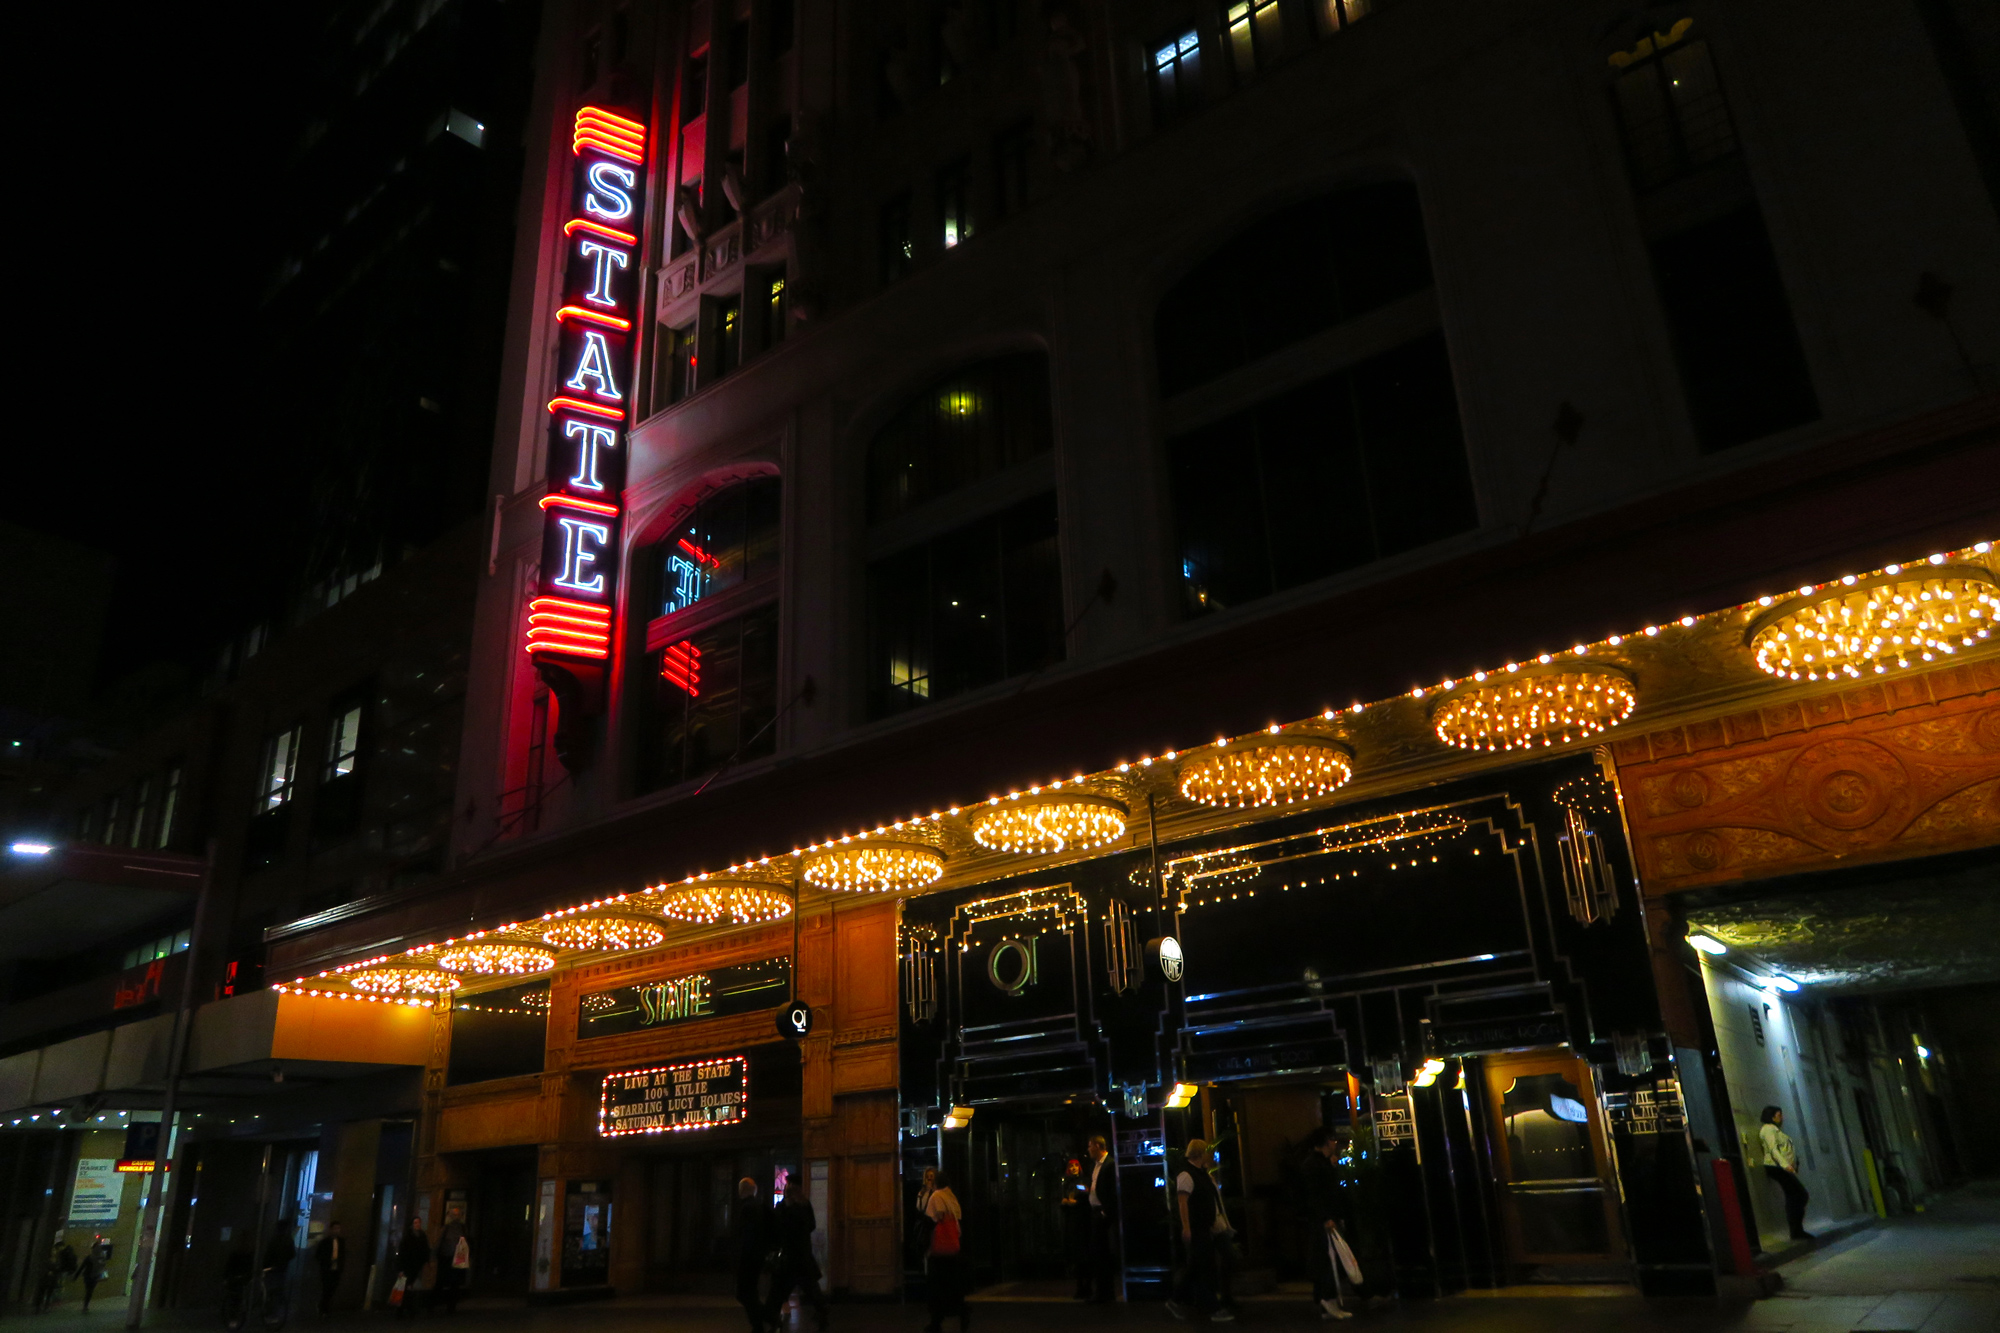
<point>1207,1239</point>
<point>944,1263</point>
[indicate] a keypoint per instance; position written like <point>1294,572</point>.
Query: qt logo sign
<point>795,1020</point>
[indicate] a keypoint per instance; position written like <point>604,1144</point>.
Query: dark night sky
<point>151,286</point>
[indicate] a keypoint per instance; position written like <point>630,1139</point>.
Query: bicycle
<point>261,1299</point>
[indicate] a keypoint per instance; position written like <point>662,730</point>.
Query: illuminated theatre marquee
<point>570,617</point>
<point>676,1098</point>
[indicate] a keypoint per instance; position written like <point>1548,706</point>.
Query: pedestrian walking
<point>56,1270</point>
<point>1206,1240</point>
<point>1097,1274</point>
<point>793,1225</point>
<point>413,1255</point>
<point>1781,1164</point>
<point>96,1260</point>
<point>454,1260</point>
<point>1329,1249</point>
<point>331,1256</point>
<point>944,1264</point>
<point>750,1230</point>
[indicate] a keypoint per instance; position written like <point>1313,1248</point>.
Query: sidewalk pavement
<point>1937,1272</point>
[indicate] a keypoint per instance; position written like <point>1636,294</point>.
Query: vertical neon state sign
<point>571,614</point>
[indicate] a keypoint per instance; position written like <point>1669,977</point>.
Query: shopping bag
<point>462,1256</point>
<point>944,1240</point>
<point>1339,1253</point>
<point>396,1292</point>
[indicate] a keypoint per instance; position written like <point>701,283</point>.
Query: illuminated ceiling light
<point>496,958</point>
<point>534,999</point>
<point>1552,707</point>
<point>716,902</point>
<point>1784,983</point>
<point>1427,1073</point>
<point>403,980</point>
<point>1266,770</point>
<point>603,930</point>
<point>958,1117</point>
<point>874,866</point>
<point>1041,825</point>
<point>1708,944</point>
<point>1899,619</point>
<point>31,848</point>
<point>1181,1096</point>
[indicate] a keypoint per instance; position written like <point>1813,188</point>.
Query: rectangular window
<point>1332,475</point>
<point>739,53</point>
<point>674,366</point>
<point>1010,169</point>
<point>1743,369</point>
<point>897,250</point>
<point>775,310</point>
<point>1672,113</point>
<point>1177,76</point>
<point>114,809</point>
<point>279,771</point>
<point>777,160</point>
<point>1337,14</point>
<point>1256,34</point>
<point>728,336</point>
<point>714,694</point>
<point>142,811</point>
<point>694,87</point>
<point>966,609</point>
<point>170,797</point>
<point>954,194</point>
<point>343,742</point>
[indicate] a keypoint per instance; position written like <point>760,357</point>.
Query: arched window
<point>964,581</point>
<point>709,683</point>
<point>1325,434</point>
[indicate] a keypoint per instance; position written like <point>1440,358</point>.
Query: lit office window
<point>774,310</point>
<point>343,747</point>
<point>955,202</point>
<point>280,770</point>
<point>1177,76</point>
<point>170,797</point>
<point>1256,31</point>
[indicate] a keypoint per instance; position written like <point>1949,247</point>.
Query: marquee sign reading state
<point>570,618</point>
<point>674,1098</point>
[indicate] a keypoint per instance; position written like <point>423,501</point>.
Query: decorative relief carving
<point>858,1036</point>
<point>1890,769</point>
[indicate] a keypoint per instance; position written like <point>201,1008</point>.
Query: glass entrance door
<point>1554,1167</point>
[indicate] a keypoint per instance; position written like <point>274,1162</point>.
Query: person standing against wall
<point>1781,1164</point>
<point>1098,1280</point>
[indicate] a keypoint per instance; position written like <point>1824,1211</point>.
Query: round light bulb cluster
<point>534,999</point>
<point>1865,626</point>
<point>874,867</point>
<point>1043,825</point>
<point>604,931</point>
<point>403,980</point>
<point>1535,708</point>
<point>496,958</point>
<point>1265,770</point>
<point>713,902</point>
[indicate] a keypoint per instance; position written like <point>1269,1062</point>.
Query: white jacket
<point>1778,1149</point>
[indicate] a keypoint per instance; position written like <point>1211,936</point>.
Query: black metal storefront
<point>1368,968</point>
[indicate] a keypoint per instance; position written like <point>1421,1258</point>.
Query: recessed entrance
<point>1553,1169</point>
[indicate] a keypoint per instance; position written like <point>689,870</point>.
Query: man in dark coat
<point>1097,1275</point>
<point>331,1255</point>
<point>1325,1212</point>
<point>750,1232</point>
<point>412,1256</point>
<point>793,1225</point>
